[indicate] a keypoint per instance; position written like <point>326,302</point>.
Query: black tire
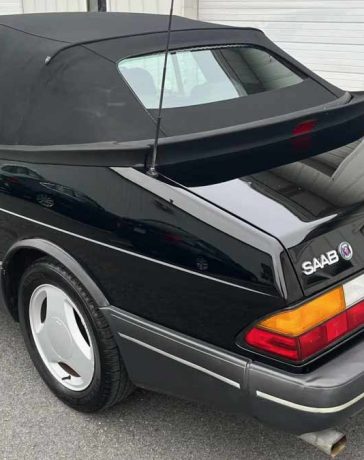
<point>110,383</point>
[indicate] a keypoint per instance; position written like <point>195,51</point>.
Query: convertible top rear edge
<point>259,145</point>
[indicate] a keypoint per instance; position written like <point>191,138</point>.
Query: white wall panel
<point>10,6</point>
<point>47,6</point>
<point>182,7</point>
<point>146,6</point>
<point>326,35</point>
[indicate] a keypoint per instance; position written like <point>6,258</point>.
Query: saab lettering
<point>329,258</point>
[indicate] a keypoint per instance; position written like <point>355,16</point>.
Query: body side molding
<point>141,340</point>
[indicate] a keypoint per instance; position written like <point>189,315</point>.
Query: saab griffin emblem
<point>345,250</point>
<point>328,258</point>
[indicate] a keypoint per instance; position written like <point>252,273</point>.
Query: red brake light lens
<point>356,316</point>
<point>273,343</point>
<point>302,137</point>
<point>312,342</point>
<point>305,127</point>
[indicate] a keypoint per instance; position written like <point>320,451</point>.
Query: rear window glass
<point>202,76</point>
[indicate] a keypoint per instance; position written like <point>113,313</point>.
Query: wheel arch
<point>23,253</point>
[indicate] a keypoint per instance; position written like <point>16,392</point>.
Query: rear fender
<point>47,248</point>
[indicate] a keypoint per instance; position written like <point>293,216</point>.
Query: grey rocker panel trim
<point>193,353</point>
<point>182,361</point>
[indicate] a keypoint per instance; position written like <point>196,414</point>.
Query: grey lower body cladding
<point>163,360</point>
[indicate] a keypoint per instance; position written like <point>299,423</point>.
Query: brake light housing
<point>304,127</point>
<point>300,333</point>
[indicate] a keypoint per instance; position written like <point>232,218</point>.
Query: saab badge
<point>345,250</point>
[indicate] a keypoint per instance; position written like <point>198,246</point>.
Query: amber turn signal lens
<point>300,320</point>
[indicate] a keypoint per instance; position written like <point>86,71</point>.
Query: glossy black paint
<point>148,255</point>
<point>207,261</point>
<point>310,206</point>
<point>151,239</point>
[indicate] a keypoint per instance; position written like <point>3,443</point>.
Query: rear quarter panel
<point>147,255</point>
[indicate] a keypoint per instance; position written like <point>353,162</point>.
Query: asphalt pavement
<point>36,425</point>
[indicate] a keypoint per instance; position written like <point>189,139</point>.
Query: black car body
<point>250,187</point>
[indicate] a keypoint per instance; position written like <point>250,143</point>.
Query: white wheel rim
<point>62,337</point>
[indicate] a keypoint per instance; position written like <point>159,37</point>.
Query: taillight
<point>302,332</point>
<point>273,343</point>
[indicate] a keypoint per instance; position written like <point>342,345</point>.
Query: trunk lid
<point>314,207</point>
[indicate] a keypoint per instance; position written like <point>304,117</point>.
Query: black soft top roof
<point>60,86</point>
<point>73,28</point>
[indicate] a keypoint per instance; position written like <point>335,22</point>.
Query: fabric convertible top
<point>60,86</point>
<point>73,28</point>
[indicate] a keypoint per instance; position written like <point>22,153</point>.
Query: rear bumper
<point>311,402</point>
<point>163,360</point>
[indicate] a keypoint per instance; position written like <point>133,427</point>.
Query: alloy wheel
<point>62,337</point>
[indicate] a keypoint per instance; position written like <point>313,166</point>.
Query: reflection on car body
<point>24,182</point>
<point>172,243</point>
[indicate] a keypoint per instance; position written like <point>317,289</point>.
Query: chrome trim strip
<point>125,251</point>
<point>182,361</point>
<point>313,410</point>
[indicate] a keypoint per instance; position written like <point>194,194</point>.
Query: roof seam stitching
<point>34,35</point>
<point>97,54</point>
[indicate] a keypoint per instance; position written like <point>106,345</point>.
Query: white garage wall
<point>11,6</point>
<point>326,35</point>
<point>182,7</point>
<point>145,6</point>
<point>47,6</point>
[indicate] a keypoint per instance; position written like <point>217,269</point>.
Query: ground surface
<point>35,425</point>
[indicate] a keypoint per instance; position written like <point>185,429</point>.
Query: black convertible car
<point>235,275</point>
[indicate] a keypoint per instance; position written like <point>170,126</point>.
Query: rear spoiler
<point>262,145</point>
<point>246,148</point>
